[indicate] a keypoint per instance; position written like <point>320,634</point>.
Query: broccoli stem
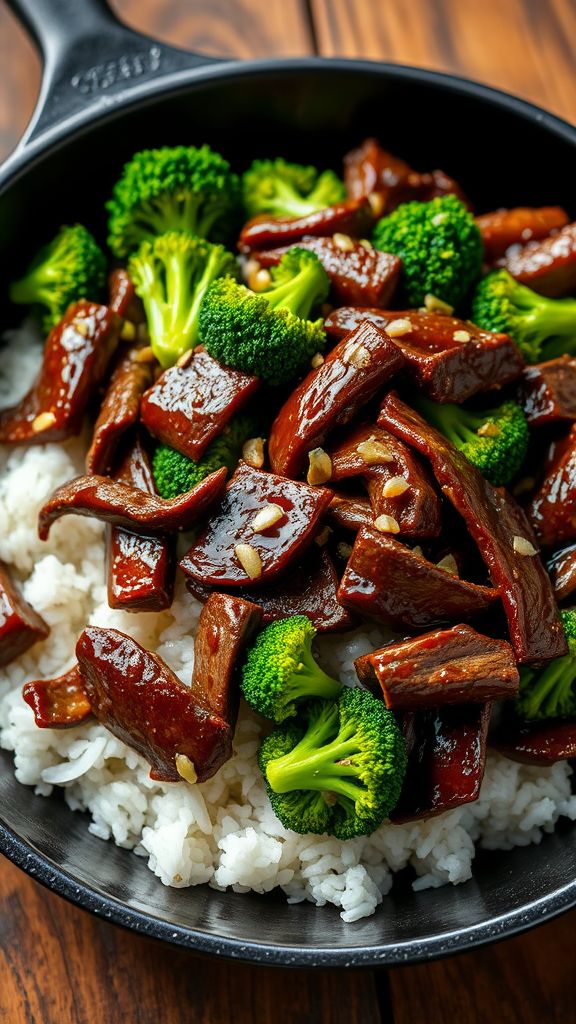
<point>312,763</point>
<point>298,295</point>
<point>555,683</point>
<point>309,678</point>
<point>37,286</point>
<point>457,424</point>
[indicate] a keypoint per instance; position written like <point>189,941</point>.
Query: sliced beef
<point>123,298</point>
<point>309,589</point>
<point>354,217</point>
<point>448,359</point>
<point>227,624</point>
<point>191,403</point>
<point>350,512</point>
<point>128,506</point>
<point>76,356</point>
<point>548,391</point>
<point>219,557</point>
<point>493,520</point>
<point>140,569</point>
<point>20,625</point>
<point>446,760</point>
<point>549,266</point>
<point>386,581</point>
<point>562,571</point>
<point>552,511</point>
<point>359,274</point>
<point>58,703</point>
<point>331,395</point>
<point>120,407</point>
<point>538,743</point>
<point>370,170</point>
<point>450,666</point>
<point>385,463</point>
<point>502,228</point>
<point>139,699</point>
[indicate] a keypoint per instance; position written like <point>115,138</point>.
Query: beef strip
<point>20,625</point>
<point>547,391</point>
<point>353,217</point>
<point>310,589</point>
<point>134,694</point>
<point>417,509</point>
<point>214,558</point>
<point>552,510</point>
<point>451,666</point>
<point>370,169</point>
<point>493,519</point>
<point>350,512</point>
<point>502,228</point>
<point>76,356</point>
<point>123,298</point>
<point>125,505</point>
<point>446,760</point>
<point>386,581</point>
<point>140,570</point>
<point>58,703</point>
<point>562,571</point>
<point>227,624</point>
<point>442,367</point>
<point>120,407</point>
<point>549,266</point>
<point>192,402</point>
<point>359,275</point>
<point>331,395</point>
<point>538,743</point>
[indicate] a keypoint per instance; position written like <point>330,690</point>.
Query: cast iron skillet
<point>106,92</point>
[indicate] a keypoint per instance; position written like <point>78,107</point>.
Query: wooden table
<point>57,964</point>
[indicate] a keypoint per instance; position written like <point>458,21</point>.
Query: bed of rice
<point>222,832</point>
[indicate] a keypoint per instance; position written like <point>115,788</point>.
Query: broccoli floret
<point>289,190</point>
<point>171,275</point>
<point>269,333</point>
<point>440,247</point>
<point>493,440</point>
<point>542,328</point>
<point>172,189</point>
<point>338,770</point>
<point>68,268</point>
<point>550,692</point>
<point>175,473</point>
<point>280,669</point>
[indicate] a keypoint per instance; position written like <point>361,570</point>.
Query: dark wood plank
<point>524,980</point>
<point>19,80</point>
<point>523,46</point>
<point>58,965</point>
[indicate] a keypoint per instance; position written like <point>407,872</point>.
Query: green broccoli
<point>541,328</point>
<point>175,473</point>
<point>171,275</point>
<point>269,333</point>
<point>172,189</point>
<point>493,440</point>
<point>68,268</point>
<point>280,669</point>
<point>440,247</point>
<point>550,692</point>
<point>339,769</point>
<point>289,190</point>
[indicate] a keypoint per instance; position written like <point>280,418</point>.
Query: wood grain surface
<point>57,964</point>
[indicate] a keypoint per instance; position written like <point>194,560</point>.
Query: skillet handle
<point>90,59</point>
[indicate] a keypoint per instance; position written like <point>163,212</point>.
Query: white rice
<point>222,832</point>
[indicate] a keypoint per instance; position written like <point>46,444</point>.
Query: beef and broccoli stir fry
<point>326,400</point>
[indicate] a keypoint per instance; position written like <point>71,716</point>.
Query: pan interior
<point>310,115</point>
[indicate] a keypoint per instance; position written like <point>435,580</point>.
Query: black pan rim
<point>111,108</point>
<point>37,865</point>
